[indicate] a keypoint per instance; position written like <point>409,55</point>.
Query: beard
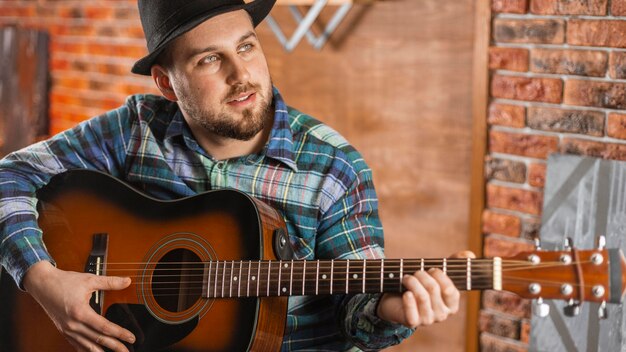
<point>226,125</point>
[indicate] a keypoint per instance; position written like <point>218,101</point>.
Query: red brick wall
<point>93,44</point>
<point>557,85</point>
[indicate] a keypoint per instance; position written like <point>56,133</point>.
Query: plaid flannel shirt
<point>307,171</point>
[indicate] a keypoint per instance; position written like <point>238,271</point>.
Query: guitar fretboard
<point>223,279</point>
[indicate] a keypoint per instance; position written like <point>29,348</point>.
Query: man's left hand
<point>430,297</point>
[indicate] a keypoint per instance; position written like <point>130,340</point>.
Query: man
<point>220,123</point>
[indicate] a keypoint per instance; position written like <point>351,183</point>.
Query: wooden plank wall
<point>23,87</point>
<point>396,81</point>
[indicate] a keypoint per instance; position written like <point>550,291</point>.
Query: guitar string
<point>520,265</point>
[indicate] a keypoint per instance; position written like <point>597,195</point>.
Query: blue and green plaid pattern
<point>307,171</point>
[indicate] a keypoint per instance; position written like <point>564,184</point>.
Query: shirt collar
<point>279,145</point>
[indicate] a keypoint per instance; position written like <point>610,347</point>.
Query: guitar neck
<point>223,279</point>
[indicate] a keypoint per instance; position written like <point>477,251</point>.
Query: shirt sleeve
<point>352,230</point>
<point>97,144</point>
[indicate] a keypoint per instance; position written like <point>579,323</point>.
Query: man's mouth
<point>242,98</point>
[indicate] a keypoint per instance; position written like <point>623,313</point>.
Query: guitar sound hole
<point>177,280</point>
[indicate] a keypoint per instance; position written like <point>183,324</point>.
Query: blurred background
<point>455,105</point>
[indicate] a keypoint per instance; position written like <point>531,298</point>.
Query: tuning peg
<point>572,308</point>
<point>603,313</point>
<point>601,242</point>
<point>540,309</point>
<point>537,242</point>
<point>568,243</point>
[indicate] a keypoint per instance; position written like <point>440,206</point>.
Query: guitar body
<point>87,216</point>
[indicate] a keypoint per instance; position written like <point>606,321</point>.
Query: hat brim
<point>257,10</point>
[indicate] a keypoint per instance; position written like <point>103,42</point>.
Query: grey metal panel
<point>584,197</point>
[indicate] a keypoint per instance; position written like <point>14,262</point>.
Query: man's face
<point>220,77</point>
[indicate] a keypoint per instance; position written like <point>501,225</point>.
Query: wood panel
<point>395,80</point>
<point>23,87</point>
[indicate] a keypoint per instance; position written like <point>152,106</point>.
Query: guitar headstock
<point>596,275</point>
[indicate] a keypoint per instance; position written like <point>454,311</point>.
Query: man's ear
<point>163,82</point>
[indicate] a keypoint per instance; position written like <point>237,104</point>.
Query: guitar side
<point>222,225</point>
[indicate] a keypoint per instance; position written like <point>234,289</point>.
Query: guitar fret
<point>332,271</point>
<point>217,268</point>
<point>317,276</point>
<point>269,269</point>
<point>364,264</point>
<point>258,278</point>
<point>291,279</point>
<point>239,281</point>
<point>382,273</point>
<point>280,271</point>
<point>230,291</point>
<point>468,283</point>
<point>445,266</point>
<point>208,285</point>
<point>422,264</point>
<point>400,276</point>
<point>303,276</point>
<point>223,274</point>
<point>347,275</point>
<point>248,279</point>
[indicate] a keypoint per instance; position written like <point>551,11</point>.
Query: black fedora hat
<point>165,20</point>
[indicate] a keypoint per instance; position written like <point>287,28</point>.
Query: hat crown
<point>161,17</point>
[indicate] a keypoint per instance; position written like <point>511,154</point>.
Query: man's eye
<point>210,59</point>
<point>245,47</point>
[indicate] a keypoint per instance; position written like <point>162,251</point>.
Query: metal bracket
<point>304,25</point>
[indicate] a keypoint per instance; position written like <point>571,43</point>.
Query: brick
<point>562,120</point>
<point>537,175</point>
<point>499,325</point>
<point>112,49</point>
<point>512,59</point>
<point>507,115</point>
<point>529,31</point>
<point>504,247</point>
<point>607,33</point>
<point>494,343</point>
<point>569,7</point>
<point>503,224</point>
<point>505,170</point>
<point>522,200</point>
<point>506,302</point>
<point>611,151</point>
<point>534,146</point>
<point>509,6</point>
<point>616,126</point>
<point>618,7</point>
<point>531,227</point>
<point>569,62</point>
<point>547,90</point>
<point>88,65</point>
<point>617,65</point>
<point>98,102</point>
<point>609,95</point>
<point>525,331</point>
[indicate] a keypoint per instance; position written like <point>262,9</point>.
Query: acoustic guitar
<point>213,272</point>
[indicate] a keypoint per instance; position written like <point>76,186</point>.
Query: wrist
<point>37,273</point>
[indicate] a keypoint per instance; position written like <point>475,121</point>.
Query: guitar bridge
<point>95,265</point>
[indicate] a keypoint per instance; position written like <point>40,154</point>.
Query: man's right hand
<point>65,296</point>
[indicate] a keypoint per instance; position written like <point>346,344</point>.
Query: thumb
<point>112,282</point>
